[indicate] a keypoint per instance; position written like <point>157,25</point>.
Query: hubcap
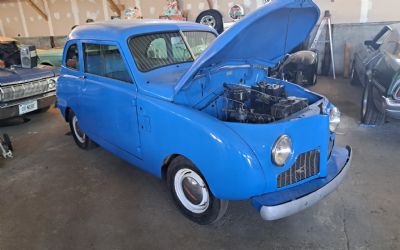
<point>208,20</point>
<point>352,73</point>
<point>191,191</point>
<point>78,133</point>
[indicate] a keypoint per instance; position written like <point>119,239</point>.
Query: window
<point>199,41</point>
<point>162,49</point>
<point>72,58</point>
<point>105,60</point>
<point>392,44</point>
<point>179,49</point>
<point>157,49</point>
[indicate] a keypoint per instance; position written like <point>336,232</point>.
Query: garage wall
<point>17,17</point>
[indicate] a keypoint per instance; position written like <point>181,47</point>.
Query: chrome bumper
<point>392,107</point>
<point>11,109</point>
<point>289,208</point>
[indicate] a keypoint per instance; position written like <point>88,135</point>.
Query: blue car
<point>199,110</point>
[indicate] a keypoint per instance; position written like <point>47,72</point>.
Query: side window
<point>93,62</point>
<point>72,58</point>
<point>157,49</point>
<point>105,60</point>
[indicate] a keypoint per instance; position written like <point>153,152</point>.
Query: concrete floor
<point>55,196</point>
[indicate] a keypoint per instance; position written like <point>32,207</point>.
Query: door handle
<point>82,77</point>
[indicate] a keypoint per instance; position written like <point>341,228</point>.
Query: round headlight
<point>334,119</point>
<point>282,150</point>
<point>51,84</point>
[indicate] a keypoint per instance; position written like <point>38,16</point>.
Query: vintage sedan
<point>201,112</point>
<point>376,66</point>
<point>23,90</point>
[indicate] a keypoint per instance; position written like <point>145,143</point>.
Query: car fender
<point>228,164</point>
<point>67,95</point>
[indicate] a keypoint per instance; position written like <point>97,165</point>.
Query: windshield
<point>162,49</point>
<point>392,45</point>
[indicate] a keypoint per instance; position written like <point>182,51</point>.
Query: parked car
<point>50,57</point>
<point>23,89</point>
<point>376,66</point>
<point>211,122</point>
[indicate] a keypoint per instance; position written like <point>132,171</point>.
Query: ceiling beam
<point>38,10</point>
<point>114,7</point>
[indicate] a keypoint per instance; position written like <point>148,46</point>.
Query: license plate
<point>27,107</point>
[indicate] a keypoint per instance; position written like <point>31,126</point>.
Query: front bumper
<point>12,109</point>
<point>392,107</point>
<point>277,205</point>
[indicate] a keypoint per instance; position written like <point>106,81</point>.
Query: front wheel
<point>192,194</point>
<point>370,115</point>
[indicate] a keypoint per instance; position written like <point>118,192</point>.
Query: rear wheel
<point>81,139</point>
<point>370,115</point>
<point>192,194</point>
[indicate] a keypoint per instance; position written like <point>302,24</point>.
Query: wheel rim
<point>77,130</point>
<point>352,72</point>
<point>191,191</point>
<point>365,101</point>
<point>208,20</point>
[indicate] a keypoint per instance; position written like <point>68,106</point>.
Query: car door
<point>70,83</point>
<point>109,97</point>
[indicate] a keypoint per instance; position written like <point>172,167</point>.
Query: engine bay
<point>261,103</point>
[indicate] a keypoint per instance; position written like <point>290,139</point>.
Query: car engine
<point>261,103</point>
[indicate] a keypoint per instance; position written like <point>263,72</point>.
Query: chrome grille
<point>306,165</point>
<point>23,90</point>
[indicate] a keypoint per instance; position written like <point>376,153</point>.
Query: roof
<point>4,39</point>
<point>121,29</point>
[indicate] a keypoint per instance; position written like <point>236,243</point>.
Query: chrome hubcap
<point>191,191</point>
<point>352,74</point>
<point>77,130</point>
<point>208,20</point>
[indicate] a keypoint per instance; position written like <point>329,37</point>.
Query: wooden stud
<point>210,4</point>
<point>38,10</point>
<point>114,7</point>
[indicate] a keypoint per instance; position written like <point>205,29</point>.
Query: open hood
<point>263,37</point>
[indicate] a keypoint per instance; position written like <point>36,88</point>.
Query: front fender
<point>230,167</point>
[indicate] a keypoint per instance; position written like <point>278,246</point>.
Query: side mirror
<point>369,43</point>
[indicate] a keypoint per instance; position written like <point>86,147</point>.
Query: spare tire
<point>212,18</point>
